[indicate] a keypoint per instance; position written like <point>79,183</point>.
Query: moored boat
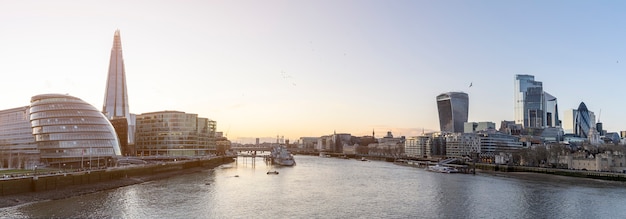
<point>442,169</point>
<point>281,156</point>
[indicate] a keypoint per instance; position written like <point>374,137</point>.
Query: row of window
<point>50,107</point>
<point>79,152</point>
<point>73,136</point>
<point>64,113</point>
<point>70,128</point>
<point>66,121</point>
<point>77,144</point>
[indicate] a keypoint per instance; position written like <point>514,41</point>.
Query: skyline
<point>309,69</point>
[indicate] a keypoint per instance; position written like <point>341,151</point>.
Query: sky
<point>310,68</point>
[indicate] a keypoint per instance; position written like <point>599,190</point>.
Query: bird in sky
<point>470,84</point>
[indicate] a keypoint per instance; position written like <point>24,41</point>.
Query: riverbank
<point>495,169</point>
<point>611,176</point>
<point>65,186</point>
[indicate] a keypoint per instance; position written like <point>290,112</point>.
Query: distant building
<point>308,142</point>
<point>471,127</point>
<point>461,144</point>
<point>416,147</point>
<point>492,144</point>
<point>578,121</point>
<point>552,134</point>
<point>509,127</point>
<point>534,108</point>
<point>453,110</point>
<point>611,138</point>
<point>325,143</point>
<point>605,162</point>
<point>174,133</point>
<point>583,121</point>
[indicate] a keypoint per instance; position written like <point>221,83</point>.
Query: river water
<point>338,188</point>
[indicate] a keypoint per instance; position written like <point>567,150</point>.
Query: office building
<point>18,149</point>
<point>174,133</point>
<point>461,144</point>
<point>583,121</point>
<point>494,143</point>
<point>471,127</point>
<point>116,94</point>
<point>534,108</point>
<point>578,121</point>
<point>68,130</point>
<point>416,146</point>
<point>453,110</point>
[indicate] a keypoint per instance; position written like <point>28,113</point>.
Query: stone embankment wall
<point>555,171</point>
<point>44,183</point>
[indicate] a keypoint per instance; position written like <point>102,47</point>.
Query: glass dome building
<point>70,131</point>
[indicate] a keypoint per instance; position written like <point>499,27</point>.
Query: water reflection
<point>336,188</point>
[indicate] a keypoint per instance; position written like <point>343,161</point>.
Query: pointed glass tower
<point>115,106</point>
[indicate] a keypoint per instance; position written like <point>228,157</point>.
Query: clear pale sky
<point>308,68</point>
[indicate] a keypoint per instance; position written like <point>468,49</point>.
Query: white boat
<point>442,169</point>
<point>281,156</point>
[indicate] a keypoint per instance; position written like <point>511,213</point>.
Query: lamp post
<point>35,170</point>
<point>64,170</point>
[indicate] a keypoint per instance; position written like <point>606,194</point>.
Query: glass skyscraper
<point>534,108</point>
<point>583,121</point>
<point>116,95</point>
<point>453,110</point>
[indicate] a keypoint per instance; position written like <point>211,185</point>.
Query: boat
<point>281,156</point>
<point>363,159</point>
<point>442,169</point>
<point>272,172</point>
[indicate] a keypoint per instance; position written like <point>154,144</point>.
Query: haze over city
<point>294,69</point>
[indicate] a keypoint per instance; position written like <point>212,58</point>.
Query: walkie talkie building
<point>453,111</point>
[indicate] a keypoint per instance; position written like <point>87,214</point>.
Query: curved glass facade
<point>69,130</point>
<point>582,121</point>
<point>453,111</point>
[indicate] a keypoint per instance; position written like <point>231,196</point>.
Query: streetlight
<point>35,170</point>
<point>64,170</point>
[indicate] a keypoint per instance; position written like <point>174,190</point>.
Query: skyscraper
<point>534,108</point>
<point>583,121</point>
<point>116,95</point>
<point>453,111</point>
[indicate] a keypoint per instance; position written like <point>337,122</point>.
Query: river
<point>340,188</point>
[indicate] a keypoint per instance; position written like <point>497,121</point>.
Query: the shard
<point>115,106</point>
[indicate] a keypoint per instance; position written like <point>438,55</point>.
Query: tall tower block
<point>115,106</point>
<point>453,110</point>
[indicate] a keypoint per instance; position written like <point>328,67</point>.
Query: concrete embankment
<point>554,171</point>
<point>24,190</point>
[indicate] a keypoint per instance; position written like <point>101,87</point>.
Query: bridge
<point>251,149</point>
